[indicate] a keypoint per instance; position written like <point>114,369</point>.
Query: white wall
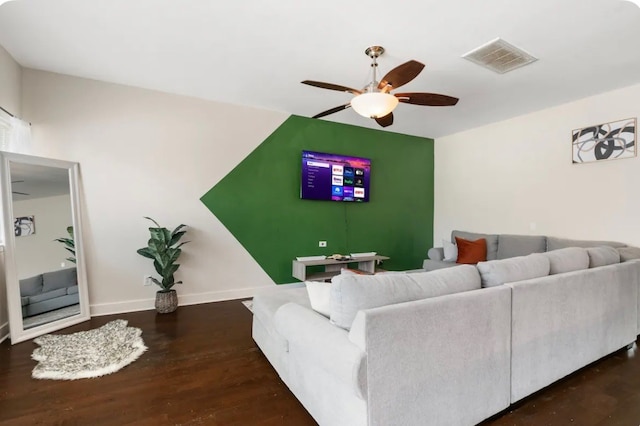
<point>10,83</point>
<point>40,252</point>
<point>145,153</point>
<point>516,176</point>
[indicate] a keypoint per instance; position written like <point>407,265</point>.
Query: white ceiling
<point>29,181</point>
<point>255,52</point>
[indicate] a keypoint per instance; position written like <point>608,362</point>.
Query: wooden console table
<point>332,267</point>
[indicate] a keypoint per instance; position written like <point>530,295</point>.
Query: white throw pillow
<point>319,296</point>
<point>450,251</point>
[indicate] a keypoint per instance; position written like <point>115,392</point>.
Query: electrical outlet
<point>146,280</point>
<point>322,243</point>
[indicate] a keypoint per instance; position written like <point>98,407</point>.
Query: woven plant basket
<point>166,302</point>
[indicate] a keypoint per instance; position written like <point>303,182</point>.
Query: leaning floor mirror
<point>44,259</point>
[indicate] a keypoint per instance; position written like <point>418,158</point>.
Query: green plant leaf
<point>176,237</point>
<point>160,248</point>
<point>156,223</point>
<point>145,252</point>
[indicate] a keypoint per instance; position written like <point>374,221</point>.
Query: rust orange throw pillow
<point>471,252</point>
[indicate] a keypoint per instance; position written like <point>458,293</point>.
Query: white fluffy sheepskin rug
<point>87,354</point>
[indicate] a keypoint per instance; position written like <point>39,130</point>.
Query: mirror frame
<point>17,331</point>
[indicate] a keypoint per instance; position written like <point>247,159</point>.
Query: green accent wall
<point>259,200</point>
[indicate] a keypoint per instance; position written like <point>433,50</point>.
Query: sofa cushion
<point>48,295</point>
<point>432,265</point>
<point>628,253</point>
<point>72,290</point>
<point>319,296</point>
<point>554,243</point>
<point>601,256</point>
<point>471,252</point>
<point>24,300</point>
<point>31,286</point>
<point>520,245</point>
<point>352,293</point>
<point>492,241</point>
<point>567,260</point>
<point>59,279</point>
<point>498,272</point>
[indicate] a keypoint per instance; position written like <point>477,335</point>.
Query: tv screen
<point>334,177</point>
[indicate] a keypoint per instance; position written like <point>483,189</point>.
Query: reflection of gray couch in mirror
<point>49,291</point>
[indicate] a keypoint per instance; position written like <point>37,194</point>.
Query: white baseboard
<point>4,331</point>
<point>183,300</point>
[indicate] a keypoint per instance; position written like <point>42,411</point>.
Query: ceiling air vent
<point>499,56</point>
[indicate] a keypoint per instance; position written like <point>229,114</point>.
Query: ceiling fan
<point>375,100</point>
<point>16,192</point>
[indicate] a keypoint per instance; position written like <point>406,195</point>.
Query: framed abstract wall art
<point>609,141</point>
<point>25,225</point>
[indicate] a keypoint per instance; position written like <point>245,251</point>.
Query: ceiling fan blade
<point>332,110</point>
<point>401,75</point>
<point>428,99</point>
<point>19,193</point>
<point>330,86</point>
<point>385,121</point>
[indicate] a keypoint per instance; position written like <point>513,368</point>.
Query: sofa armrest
<point>451,353</point>
<point>436,253</point>
<point>322,344</point>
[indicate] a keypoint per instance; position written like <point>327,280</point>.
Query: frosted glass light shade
<point>374,105</point>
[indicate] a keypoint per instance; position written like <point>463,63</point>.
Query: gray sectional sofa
<point>49,291</point>
<point>504,246</point>
<point>448,347</point>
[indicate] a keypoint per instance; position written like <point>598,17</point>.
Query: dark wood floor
<point>202,368</point>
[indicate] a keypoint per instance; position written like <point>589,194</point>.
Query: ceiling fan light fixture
<point>374,104</point>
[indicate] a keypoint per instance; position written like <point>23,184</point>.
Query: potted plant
<point>164,249</point>
<point>69,244</point>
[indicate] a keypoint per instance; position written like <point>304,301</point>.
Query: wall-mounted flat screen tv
<point>334,177</point>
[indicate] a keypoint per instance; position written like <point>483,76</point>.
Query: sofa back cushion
<point>59,279</point>
<point>628,253</point>
<point>567,260</point>
<point>601,256</point>
<point>492,241</point>
<point>520,245</point>
<point>31,286</point>
<point>498,272</point>
<point>352,293</point>
<point>554,243</point>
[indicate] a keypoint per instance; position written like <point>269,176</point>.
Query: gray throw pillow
<point>498,272</point>
<point>567,260</point>
<point>601,256</point>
